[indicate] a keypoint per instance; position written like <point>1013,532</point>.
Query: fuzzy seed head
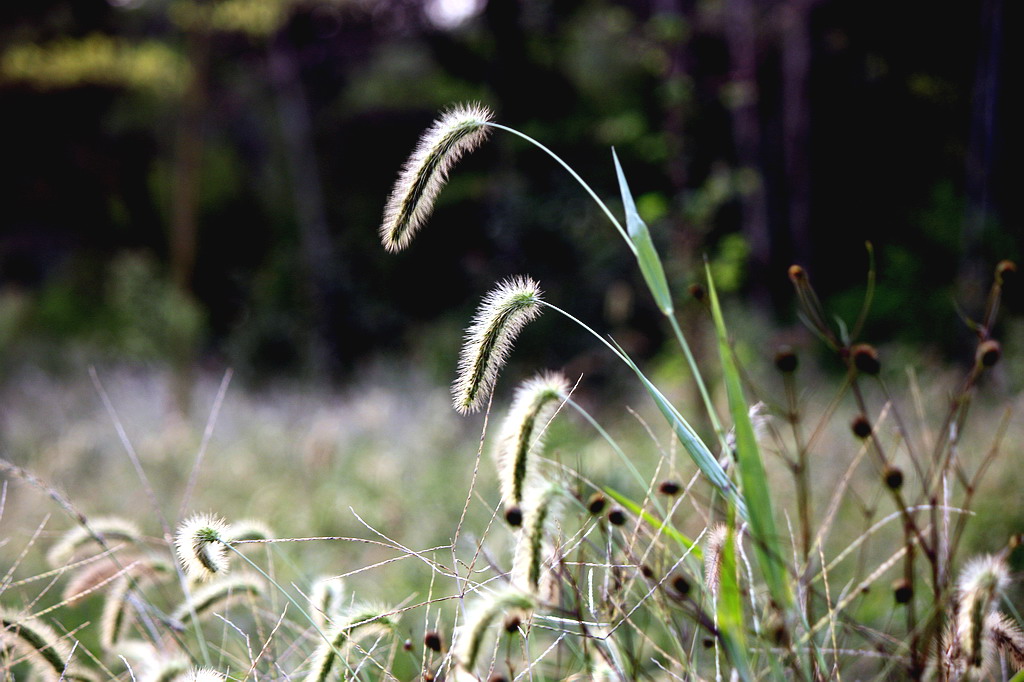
<point>543,511</point>
<point>981,583</point>
<point>249,529</point>
<point>326,600</point>
<point>1007,638</point>
<point>714,545</point>
<point>458,131</point>
<point>202,675</point>
<point>499,319</point>
<point>112,529</point>
<point>469,638</point>
<point>199,545</point>
<point>522,433</point>
<point>220,594</point>
<point>46,652</point>
<point>364,619</point>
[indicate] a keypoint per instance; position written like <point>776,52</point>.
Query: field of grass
<point>744,515</point>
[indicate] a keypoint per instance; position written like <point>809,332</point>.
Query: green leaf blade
<point>767,542</point>
<point>646,255</point>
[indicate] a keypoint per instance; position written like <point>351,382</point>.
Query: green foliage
<point>150,66</point>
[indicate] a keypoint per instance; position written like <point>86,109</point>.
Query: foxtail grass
<point>200,546</point>
<point>457,132</point>
<point>522,433</point>
<point>498,321</point>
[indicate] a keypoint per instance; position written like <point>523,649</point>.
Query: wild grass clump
<point>803,535</point>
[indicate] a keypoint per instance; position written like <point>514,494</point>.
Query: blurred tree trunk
<point>795,43</point>
<point>316,249</point>
<point>185,195</point>
<point>981,151</point>
<point>741,19</point>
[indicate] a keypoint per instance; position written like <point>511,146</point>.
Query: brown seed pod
<point>988,353</point>
<point>514,516</point>
<point>596,503</point>
<point>669,487</point>
<point>786,360</point>
<point>861,427</point>
<point>865,359</point>
<point>902,591</point>
<point>432,640</point>
<point>893,477</point>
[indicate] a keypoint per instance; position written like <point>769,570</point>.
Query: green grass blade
<point>646,255</point>
<point>751,468</point>
<point>657,525</point>
<point>691,442</point>
<point>732,631</point>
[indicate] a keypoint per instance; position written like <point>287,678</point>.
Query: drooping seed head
<point>981,583</point>
<point>248,530</point>
<point>713,548</point>
<point>543,506</point>
<point>200,548</point>
<point>361,619</point>
<point>522,432</point>
<point>48,654</point>
<point>220,595</point>
<point>470,637</point>
<point>499,319</point>
<point>112,529</point>
<point>459,130</point>
<point>327,600</point>
<point>1007,638</point>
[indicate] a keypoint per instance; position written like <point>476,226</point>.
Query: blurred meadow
<point>197,315</point>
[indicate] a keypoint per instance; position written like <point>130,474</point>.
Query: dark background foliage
<point>187,179</point>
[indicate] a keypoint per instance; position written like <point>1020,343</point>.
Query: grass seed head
<point>200,548</point>
<point>458,131</point>
<point>112,529</point>
<point>981,583</point>
<point>522,432</point>
<point>48,654</point>
<point>499,319</point>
